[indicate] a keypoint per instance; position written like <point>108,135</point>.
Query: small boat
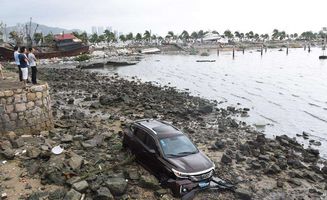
<point>121,63</point>
<point>150,51</point>
<point>205,60</point>
<point>322,57</point>
<point>91,66</point>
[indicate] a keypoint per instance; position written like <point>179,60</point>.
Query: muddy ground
<point>90,110</point>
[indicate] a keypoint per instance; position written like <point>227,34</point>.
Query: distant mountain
<point>40,29</point>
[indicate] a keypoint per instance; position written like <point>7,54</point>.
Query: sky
<point>161,16</point>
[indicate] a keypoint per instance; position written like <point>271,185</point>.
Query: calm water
<point>287,93</point>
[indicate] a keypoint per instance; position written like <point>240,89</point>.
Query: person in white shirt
<point>32,62</point>
<point>16,53</point>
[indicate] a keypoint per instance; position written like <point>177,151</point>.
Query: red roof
<point>66,36</point>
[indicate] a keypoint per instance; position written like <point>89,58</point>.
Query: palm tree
<point>238,35</point>
<point>138,37</point>
<point>94,38</point>
<point>256,37</point>
<point>194,35</point>
<point>101,38</point>
<point>228,34</point>
<point>275,34</point>
<point>147,35</point>
<point>201,35</point>
<point>129,36</point>
<point>122,38</point>
<point>109,36</point>
<point>184,36</point>
<point>282,35</point>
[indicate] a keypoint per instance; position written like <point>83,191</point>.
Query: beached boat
<point>99,65</point>
<point>150,51</point>
<point>65,45</point>
<point>121,63</point>
<point>205,60</point>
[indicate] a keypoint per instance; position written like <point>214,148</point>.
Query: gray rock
<point>264,157</point>
<point>73,195</point>
<point>255,164</point>
<point>273,169</point>
<point>8,154</point>
<point>226,159</point>
<point>67,138</point>
<point>104,193</point>
<point>117,186</point>
<point>33,152</point>
<point>149,181</point>
<point>76,161</point>
<point>294,182</point>
<point>81,186</point>
<point>243,194</point>
<point>206,109</point>
<point>18,143</point>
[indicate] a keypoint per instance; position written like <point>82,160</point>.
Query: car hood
<point>191,163</point>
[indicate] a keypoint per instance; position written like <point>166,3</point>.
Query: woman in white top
<point>32,61</point>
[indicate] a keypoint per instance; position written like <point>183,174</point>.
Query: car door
<point>138,143</point>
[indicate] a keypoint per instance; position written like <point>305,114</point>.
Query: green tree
<point>138,37</point>
<point>185,36</point>
<point>147,35</point>
<point>94,38</point>
<point>194,35</point>
<point>83,36</point>
<point>122,38</point>
<point>282,35</point>
<point>109,36</point>
<point>275,34</point>
<point>129,36</point>
<point>48,39</point>
<point>38,37</point>
<point>16,37</point>
<point>228,34</point>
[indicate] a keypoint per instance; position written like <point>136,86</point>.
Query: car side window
<point>150,143</point>
<point>140,134</point>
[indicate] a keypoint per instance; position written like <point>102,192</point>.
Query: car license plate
<point>203,184</point>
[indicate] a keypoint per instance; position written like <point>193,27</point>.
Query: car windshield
<point>177,146</point>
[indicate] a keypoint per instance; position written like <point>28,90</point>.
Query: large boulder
<point>117,186</point>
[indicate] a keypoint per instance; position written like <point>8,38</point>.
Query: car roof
<point>159,129</point>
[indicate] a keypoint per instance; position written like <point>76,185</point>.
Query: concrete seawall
<point>25,111</point>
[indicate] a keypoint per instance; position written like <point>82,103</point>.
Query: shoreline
<point>91,109</point>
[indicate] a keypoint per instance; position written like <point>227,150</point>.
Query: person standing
<point>32,60</point>
<point>1,73</point>
<point>16,53</point>
<point>23,61</point>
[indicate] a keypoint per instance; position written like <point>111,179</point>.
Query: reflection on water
<point>287,92</point>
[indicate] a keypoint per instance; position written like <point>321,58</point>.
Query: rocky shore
<point>90,110</point>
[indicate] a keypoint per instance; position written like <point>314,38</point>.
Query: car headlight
<point>179,174</point>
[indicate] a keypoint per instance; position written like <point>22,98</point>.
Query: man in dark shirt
<point>23,61</point>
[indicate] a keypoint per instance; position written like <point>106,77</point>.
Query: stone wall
<point>25,111</point>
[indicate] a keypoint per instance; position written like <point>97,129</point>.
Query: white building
<point>100,30</point>
<point>94,30</point>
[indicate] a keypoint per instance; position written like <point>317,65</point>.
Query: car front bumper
<point>187,189</point>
